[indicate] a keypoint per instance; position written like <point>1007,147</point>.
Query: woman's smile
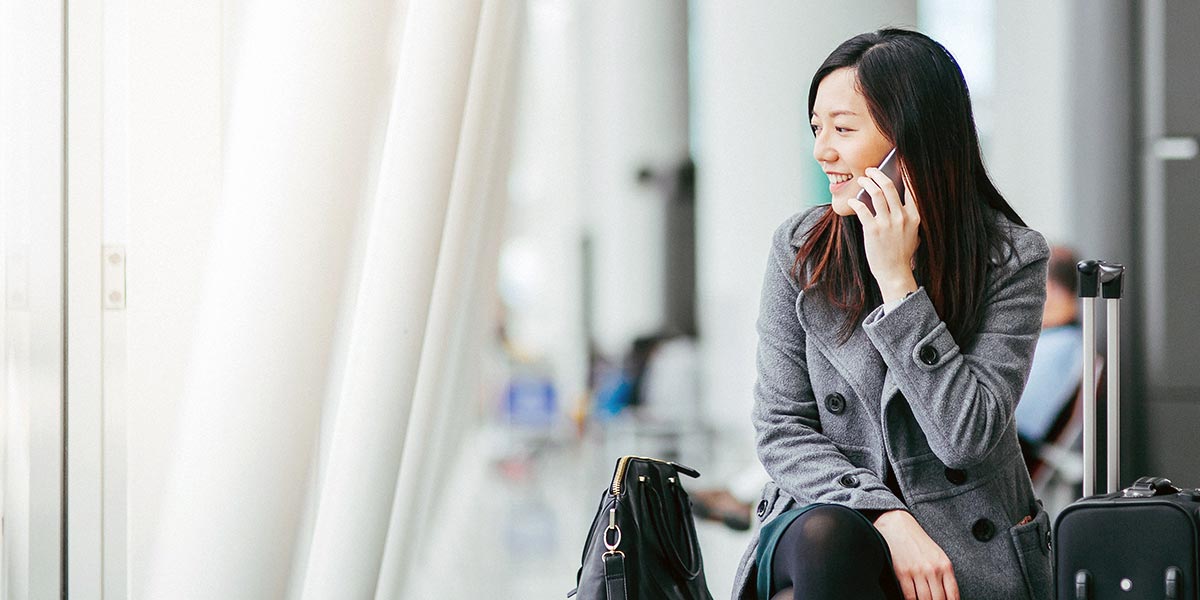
<point>838,181</point>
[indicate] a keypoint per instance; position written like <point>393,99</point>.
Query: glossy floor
<point>517,521</point>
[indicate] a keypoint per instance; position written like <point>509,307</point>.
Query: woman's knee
<point>832,527</point>
<point>829,548</point>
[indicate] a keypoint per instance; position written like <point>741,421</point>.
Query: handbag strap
<point>614,575</point>
<point>666,543</point>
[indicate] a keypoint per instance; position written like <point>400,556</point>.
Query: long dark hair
<point>918,98</point>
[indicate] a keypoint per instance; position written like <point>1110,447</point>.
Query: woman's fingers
<point>860,209</point>
<point>921,566</point>
<point>878,201</point>
<point>937,590</point>
<point>923,591</point>
<point>888,188</point>
<point>951,585</point>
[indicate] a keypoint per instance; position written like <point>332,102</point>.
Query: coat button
<point>929,355</point>
<point>956,476</point>
<point>983,530</point>
<point>848,480</point>
<point>835,403</point>
<point>762,509</point>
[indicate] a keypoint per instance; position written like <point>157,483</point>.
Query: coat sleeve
<point>964,399</point>
<point>802,461</point>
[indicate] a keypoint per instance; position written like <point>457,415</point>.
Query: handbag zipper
<point>623,464</point>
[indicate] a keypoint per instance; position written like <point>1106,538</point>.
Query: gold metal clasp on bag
<point>612,526</point>
<point>623,464</point>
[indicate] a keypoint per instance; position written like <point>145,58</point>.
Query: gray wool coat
<point>830,417</point>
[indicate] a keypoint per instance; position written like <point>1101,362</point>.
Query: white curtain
<point>463,301</point>
<point>360,207</point>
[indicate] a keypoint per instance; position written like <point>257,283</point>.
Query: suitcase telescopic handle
<point>1104,279</point>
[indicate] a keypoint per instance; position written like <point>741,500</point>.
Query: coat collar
<point>856,360</point>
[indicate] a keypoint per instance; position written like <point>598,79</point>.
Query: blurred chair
<point>1056,464</point>
<point>662,415</point>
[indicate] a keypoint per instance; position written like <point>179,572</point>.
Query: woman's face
<point>847,140</point>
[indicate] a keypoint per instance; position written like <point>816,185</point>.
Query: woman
<point>893,348</point>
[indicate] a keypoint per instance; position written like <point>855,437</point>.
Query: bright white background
<point>601,89</point>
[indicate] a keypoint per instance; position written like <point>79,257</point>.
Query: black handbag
<point>642,544</point>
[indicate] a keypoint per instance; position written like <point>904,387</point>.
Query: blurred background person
<point>1048,417</point>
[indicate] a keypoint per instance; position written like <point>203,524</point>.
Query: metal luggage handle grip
<point>1100,278</point>
<point>1106,278</point>
<point>1111,278</point>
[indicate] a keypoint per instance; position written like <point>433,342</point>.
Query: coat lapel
<point>890,387</point>
<point>856,361</point>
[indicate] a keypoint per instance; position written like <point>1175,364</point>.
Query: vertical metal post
<point>1113,415</point>
<point>1089,396</point>
<point>1110,287</point>
<point>1088,277</point>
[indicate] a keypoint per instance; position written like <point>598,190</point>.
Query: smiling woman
<point>920,320</point>
<point>847,140</point>
<point>907,93</point>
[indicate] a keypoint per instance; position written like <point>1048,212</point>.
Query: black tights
<point>832,551</point>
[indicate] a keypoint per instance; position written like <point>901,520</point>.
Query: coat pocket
<point>1031,542</point>
<point>766,505</point>
<point>769,507</point>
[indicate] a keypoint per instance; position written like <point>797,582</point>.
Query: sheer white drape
<point>321,398</point>
<point>463,300</point>
<point>32,324</point>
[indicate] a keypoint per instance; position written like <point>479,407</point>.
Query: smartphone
<point>890,167</point>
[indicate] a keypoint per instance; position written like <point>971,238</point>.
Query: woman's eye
<point>841,129</point>
<point>814,127</point>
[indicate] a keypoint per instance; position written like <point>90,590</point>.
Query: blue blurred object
<point>530,400</point>
<point>614,393</point>
<point>1053,379</point>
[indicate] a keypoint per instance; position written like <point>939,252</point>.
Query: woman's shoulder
<point>1019,245</point>
<point>791,233</point>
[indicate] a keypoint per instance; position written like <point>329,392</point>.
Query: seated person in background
<point>1054,374</point>
<point>733,505</point>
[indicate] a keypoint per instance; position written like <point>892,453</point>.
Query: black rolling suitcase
<point>1142,542</point>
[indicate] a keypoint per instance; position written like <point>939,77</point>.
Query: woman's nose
<point>822,151</point>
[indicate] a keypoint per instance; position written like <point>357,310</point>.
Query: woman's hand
<point>889,235</point>
<point>924,571</point>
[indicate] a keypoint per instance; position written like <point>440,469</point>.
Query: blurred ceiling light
<point>522,272</point>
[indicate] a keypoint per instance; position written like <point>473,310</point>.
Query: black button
<point>762,509</point>
<point>956,476</point>
<point>983,530</point>
<point>929,355</point>
<point>835,403</point>
<point>848,480</point>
